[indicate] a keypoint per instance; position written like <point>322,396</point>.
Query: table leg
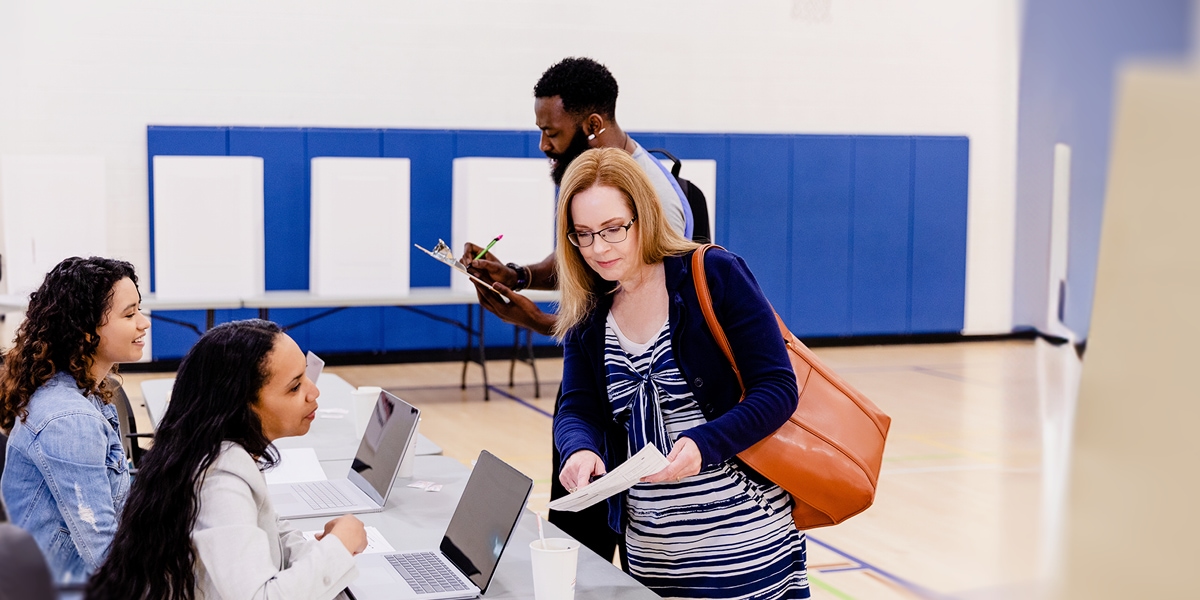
<point>472,334</point>
<point>528,359</point>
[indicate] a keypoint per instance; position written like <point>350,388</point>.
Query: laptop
<point>463,565</point>
<point>366,486</point>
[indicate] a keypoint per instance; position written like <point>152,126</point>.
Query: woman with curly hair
<point>199,523</point>
<point>66,478</point>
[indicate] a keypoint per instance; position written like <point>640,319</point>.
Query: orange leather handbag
<point>827,455</point>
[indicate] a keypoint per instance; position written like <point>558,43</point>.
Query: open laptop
<point>463,565</point>
<point>366,486</point>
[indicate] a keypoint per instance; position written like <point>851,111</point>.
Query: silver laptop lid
<point>487,513</point>
<point>389,432</point>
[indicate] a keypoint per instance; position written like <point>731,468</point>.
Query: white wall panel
<point>360,226</point>
<point>208,226</point>
<point>485,192</point>
<point>52,207</point>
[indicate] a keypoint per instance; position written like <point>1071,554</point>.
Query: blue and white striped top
<point>717,534</point>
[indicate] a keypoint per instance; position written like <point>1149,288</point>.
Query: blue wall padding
<point>880,227</point>
<point>285,201</point>
<point>939,234</point>
<point>848,235</point>
<point>430,155</point>
<point>823,168</point>
<point>757,228</point>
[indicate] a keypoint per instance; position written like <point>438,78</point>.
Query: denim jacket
<point>65,477</point>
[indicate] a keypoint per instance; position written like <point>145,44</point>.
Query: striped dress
<point>717,534</point>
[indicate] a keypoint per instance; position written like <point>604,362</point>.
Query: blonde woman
<point>641,368</point>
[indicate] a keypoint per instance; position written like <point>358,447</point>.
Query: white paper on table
<point>647,461</point>
<point>296,465</point>
<point>313,366</point>
<point>376,543</point>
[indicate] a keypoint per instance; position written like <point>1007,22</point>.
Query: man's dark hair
<point>584,85</point>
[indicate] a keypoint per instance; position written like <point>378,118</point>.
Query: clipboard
<point>442,253</point>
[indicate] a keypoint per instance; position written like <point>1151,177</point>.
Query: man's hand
<point>489,268</point>
<point>685,462</point>
<point>519,310</point>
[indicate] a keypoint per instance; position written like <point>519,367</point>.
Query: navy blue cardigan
<point>584,418</point>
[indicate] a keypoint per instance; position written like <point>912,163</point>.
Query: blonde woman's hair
<point>614,168</point>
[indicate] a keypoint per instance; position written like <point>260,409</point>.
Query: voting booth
<point>51,207</point>
<point>208,227</point>
<point>485,192</point>
<point>360,241</point>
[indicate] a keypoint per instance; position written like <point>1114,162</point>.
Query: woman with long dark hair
<point>199,522</point>
<point>65,477</point>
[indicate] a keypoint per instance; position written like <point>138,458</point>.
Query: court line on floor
<point>933,372</point>
<point>520,401</point>
<point>457,386</point>
<point>900,581</point>
<point>817,581</point>
<point>838,569</point>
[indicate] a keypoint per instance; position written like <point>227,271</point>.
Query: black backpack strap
<point>701,230</point>
<point>675,163</point>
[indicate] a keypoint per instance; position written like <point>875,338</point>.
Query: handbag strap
<point>700,278</point>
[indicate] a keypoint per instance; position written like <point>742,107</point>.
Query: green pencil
<point>489,247</point>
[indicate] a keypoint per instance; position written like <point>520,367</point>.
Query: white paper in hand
<point>376,543</point>
<point>647,461</point>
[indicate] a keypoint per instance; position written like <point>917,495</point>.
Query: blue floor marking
<point>921,591</point>
<point>519,400</point>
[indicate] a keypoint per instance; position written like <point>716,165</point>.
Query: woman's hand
<point>349,531</point>
<point>685,462</point>
<point>579,469</point>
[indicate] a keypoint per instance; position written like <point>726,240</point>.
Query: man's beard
<point>578,145</point>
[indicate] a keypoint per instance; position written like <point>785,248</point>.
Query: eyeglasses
<point>612,235</point>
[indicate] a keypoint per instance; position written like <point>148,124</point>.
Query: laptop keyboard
<point>425,573</point>
<point>321,494</point>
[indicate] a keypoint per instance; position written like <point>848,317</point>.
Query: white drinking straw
<point>541,533</point>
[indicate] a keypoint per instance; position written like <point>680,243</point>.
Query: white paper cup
<point>554,568</point>
<point>406,465</point>
<point>365,398</point>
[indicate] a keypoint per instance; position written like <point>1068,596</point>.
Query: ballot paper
<point>313,367</point>
<point>296,465</point>
<point>647,461</point>
<point>376,543</point>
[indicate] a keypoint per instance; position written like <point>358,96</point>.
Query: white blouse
<point>244,550</point>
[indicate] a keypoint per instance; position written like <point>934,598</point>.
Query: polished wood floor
<point>963,497</point>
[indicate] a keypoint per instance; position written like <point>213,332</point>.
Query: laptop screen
<point>488,512</point>
<point>389,430</point>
